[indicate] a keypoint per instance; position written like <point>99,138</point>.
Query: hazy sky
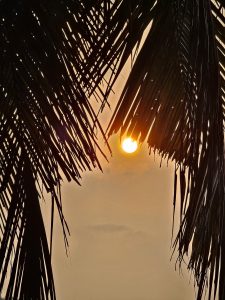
<point>120,224</point>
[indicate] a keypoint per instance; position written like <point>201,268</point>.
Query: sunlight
<point>129,145</point>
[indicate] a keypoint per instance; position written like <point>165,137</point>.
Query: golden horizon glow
<point>129,145</point>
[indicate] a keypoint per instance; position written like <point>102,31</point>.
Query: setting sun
<point>129,145</point>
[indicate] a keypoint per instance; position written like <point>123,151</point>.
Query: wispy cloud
<point>109,228</point>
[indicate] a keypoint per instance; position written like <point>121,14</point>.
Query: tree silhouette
<point>54,56</point>
<point>47,129</point>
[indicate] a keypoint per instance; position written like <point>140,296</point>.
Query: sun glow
<point>129,145</point>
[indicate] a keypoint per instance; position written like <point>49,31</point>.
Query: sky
<point>120,229</point>
<point>120,223</point>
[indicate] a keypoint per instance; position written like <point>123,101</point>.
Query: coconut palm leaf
<point>174,98</point>
<point>47,129</point>
<point>55,54</point>
<point>31,275</point>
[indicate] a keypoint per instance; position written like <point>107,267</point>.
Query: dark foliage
<point>53,56</point>
<point>47,128</point>
<point>174,98</point>
<point>31,275</point>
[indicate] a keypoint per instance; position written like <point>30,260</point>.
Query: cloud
<point>109,228</point>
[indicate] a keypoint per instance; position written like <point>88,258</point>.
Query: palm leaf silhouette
<point>174,98</point>
<point>47,128</point>
<point>53,56</point>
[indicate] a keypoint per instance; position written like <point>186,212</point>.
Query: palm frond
<point>47,127</point>
<point>31,275</point>
<point>119,32</point>
<point>174,98</point>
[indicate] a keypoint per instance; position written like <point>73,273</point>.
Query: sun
<point>129,145</point>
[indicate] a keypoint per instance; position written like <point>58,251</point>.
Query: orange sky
<point>120,223</point>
